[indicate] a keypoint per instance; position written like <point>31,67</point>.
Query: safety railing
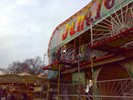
<point>75,54</point>
<point>69,55</point>
<point>117,89</point>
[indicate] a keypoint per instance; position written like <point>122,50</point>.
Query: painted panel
<point>78,78</point>
<point>129,65</point>
<point>80,22</point>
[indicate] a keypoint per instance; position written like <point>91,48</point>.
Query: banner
<point>78,78</point>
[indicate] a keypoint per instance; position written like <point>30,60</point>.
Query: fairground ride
<point>94,44</point>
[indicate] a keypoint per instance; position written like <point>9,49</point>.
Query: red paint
<point>109,3</point>
<point>72,29</point>
<point>80,25</point>
<point>98,9</point>
<point>89,19</point>
<point>64,36</point>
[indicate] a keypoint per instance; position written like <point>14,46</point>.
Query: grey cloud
<point>31,26</point>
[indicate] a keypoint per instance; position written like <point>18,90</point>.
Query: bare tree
<point>32,65</point>
<point>18,67</point>
<point>35,65</point>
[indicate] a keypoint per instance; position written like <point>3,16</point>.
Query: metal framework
<point>117,26</point>
<point>114,25</point>
<point>118,89</point>
<point>111,35</point>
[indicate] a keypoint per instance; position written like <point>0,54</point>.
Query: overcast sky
<point>27,25</point>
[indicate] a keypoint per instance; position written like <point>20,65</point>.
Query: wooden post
<point>48,91</point>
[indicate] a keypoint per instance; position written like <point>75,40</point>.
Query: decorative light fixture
<point>64,50</point>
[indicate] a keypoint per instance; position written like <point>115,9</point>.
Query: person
<point>24,96</point>
<point>10,97</point>
<point>1,92</point>
<point>54,56</point>
<point>4,94</point>
<point>88,89</point>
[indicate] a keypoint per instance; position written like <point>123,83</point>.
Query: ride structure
<point>94,44</point>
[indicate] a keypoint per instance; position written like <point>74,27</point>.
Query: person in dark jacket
<point>24,96</point>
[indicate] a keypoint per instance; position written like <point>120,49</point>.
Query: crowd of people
<point>5,95</point>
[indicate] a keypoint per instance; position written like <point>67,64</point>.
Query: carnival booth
<point>24,84</point>
<point>95,45</point>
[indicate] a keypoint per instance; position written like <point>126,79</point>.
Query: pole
<point>92,63</point>
<point>74,49</point>
<point>79,66</point>
<point>59,84</point>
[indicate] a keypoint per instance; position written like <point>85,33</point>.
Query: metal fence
<point>117,89</point>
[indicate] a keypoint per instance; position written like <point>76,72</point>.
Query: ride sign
<point>79,22</point>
